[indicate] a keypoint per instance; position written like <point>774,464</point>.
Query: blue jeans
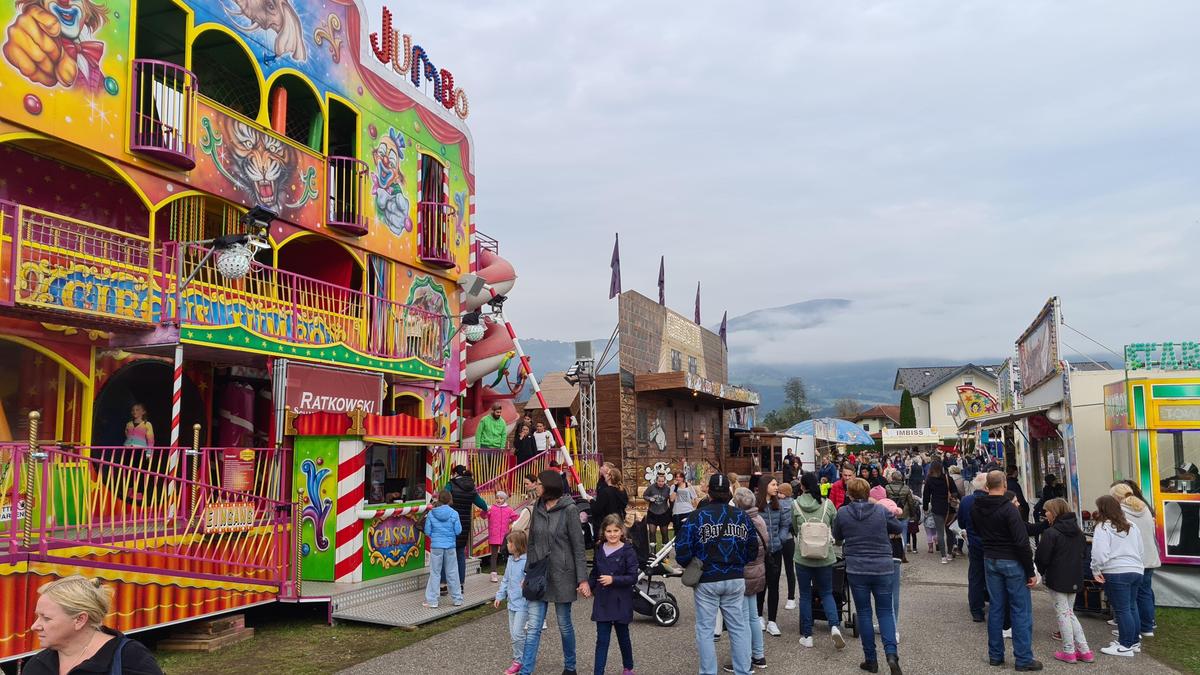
<point>823,577</point>
<point>603,633</point>
<point>864,587</point>
<point>976,581</point>
<point>516,632</point>
<point>533,634</point>
<point>1006,586</point>
<point>441,564</point>
<point>1121,590</point>
<point>727,597</point>
<point>757,649</point>
<point>1145,601</point>
<point>896,593</point>
<point>461,554</point>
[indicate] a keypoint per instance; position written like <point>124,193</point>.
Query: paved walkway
<point>937,637</point>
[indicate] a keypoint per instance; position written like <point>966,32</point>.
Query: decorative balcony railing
<point>347,183</point>
<point>63,264</point>
<point>219,513</point>
<point>434,233</point>
<point>163,107</point>
<point>286,307</point>
<point>486,243</point>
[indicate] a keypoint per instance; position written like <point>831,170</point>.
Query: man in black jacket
<point>1008,569</point>
<point>463,496</point>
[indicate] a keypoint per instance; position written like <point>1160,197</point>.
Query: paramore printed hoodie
<point>722,537</point>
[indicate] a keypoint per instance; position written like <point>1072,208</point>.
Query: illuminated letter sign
<point>417,66</point>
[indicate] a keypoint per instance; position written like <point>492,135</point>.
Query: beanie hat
<point>718,482</point>
<point>878,493</point>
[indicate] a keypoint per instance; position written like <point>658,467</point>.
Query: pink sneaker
<point>514,668</point>
<point>1085,657</point>
<point>1065,657</point>
<point>628,671</point>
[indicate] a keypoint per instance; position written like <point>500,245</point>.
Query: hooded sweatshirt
<point>1116,552</point>
<point>808,510</point>
<point>1002,531</point>
<point>863,528</point>
<point>722,537</point>
<point>1144,522</point>
<point>1060,555</point>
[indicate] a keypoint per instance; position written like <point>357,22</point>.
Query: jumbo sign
<point>412,60</point>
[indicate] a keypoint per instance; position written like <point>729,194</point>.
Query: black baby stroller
<point>584,506</point>
<point>650,596</point>
<point>841,596</point>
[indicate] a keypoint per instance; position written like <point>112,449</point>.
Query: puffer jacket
<point>756,570</point>
<point>463,498</point>
<point>1060,555</point>
<point>442,527</point>
<point>779,524</point>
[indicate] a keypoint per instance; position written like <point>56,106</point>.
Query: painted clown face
<point>72,15</point>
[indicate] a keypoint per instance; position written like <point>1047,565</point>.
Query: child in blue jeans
<point>511,588</point>
<point>442,526</point>
<point>613,575</point>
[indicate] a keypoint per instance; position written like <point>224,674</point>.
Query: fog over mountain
<point>868,380</point>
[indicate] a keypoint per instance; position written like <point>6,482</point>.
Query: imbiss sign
<point>313,389</point>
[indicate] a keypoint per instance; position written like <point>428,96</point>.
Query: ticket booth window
<point>1178,455</point>
<point>394,473</point>
<point>1122,456</point>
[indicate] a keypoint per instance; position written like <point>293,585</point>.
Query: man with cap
<point>722,538</point>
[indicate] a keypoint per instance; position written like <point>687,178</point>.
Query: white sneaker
<point>1111,622</point>
<point>897,637</point>
<point>495,578</point>
<point>838,640</point>
<point>791,604</point>
<point>762,623</point>
<point>806,641</point>
<point>1117,650</point>
<point>945,560</point>
<point>1007,633</point>
<point>773,629</point>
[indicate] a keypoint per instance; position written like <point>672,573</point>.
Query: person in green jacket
<point>813,508</point>
<point>492,431</point>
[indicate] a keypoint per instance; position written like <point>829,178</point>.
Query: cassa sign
<point>392,542</point>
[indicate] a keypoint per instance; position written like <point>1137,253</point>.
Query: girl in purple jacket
<point>613,575</point>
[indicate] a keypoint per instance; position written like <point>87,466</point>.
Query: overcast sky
<point>944,165</point>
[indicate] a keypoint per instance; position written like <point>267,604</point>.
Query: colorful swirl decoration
<point>317,509</point>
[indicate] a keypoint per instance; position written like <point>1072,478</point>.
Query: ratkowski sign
<point>313,389</point>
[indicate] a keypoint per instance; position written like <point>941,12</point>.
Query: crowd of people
<point>853,519</point>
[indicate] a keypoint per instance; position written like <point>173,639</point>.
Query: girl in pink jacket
<point>500,519</point>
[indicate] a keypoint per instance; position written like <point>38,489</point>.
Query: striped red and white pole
<point>176,396</point>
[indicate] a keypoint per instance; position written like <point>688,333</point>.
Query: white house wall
<point>1093,445</point>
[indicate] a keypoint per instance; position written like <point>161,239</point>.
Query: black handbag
<point>534,587</point>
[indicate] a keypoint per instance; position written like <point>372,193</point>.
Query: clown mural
<point>388,184</point>
<point>50,42</point>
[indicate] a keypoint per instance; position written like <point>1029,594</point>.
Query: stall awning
<point>728,395</point>
<point>1006,417</point>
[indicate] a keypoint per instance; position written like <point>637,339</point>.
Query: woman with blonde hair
<point>69,622</point>
<point>1138,512</point>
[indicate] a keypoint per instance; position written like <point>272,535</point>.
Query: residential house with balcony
<point>875,419</point>
<point>936,395</point>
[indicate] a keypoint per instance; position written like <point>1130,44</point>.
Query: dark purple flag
<point>614,285</point>
<point>662,280</point>
<point>724,328</point>
<point>697,303</point>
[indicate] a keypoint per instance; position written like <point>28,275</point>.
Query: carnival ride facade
<point>252,220</point>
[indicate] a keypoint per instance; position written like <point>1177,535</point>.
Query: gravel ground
<point>936,632</point>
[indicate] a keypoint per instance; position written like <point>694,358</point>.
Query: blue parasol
<point>834,430</point>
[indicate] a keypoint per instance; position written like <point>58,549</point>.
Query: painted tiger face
<point>261,166</point>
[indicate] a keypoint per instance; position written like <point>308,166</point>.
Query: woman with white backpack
<point>812,521</point>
